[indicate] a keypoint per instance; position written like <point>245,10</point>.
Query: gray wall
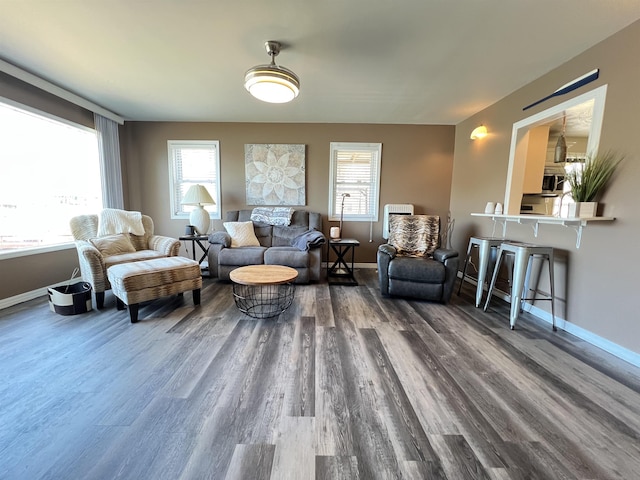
<point>417,162</point>
<point>597,281</point>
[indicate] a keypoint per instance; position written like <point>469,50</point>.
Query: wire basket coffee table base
<point>263,301</point>
<point>263,291</point>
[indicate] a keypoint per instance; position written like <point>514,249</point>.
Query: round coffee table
<point>263,291</point>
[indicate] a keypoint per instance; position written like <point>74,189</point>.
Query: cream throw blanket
<point>113,221</point>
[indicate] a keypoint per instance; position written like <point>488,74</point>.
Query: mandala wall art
<point>275,174</point>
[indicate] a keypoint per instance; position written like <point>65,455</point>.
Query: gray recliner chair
<point>412,265</point>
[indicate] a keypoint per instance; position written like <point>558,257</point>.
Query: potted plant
<point>589,180</point>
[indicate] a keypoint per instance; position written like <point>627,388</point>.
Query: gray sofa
<point>275,247</point>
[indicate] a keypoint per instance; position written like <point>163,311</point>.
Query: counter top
<point>535,220</point>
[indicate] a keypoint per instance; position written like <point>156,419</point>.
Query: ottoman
<point>137,282</point>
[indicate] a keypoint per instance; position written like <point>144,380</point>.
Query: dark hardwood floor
<point>346,384</point>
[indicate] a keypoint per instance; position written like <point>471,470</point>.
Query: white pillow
<point>113,244</point>
<point>242,234</point>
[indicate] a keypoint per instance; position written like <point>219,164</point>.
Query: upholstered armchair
<point>412,265</point>
<point>97,252</point>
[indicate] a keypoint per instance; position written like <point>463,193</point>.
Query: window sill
<point>25,252</point>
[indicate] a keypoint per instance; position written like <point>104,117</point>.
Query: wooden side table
<point>197,240</point>
<point>341,271</point>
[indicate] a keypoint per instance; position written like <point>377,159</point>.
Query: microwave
<point>553,183</point>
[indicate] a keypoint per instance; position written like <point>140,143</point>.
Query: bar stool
<point>487,251</point>
<point>523,255</point>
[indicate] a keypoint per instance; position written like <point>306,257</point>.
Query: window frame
<point>63,245</point>
<point>172,146</point>
<point>376,156</point>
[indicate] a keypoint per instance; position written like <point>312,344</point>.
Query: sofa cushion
<point>417,269</point>
<point>287,256</point>
<point>132,257</point>
<point>113,244</point>
<point>264,233</point>
<point>241,256</point>
<point>300,218</point>
<point>242,234</point>
<point>414,235</point>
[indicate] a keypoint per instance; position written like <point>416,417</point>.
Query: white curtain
<point>110,170</point>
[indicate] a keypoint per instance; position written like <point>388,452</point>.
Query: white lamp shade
<point>198,195</point>
<point>200,219</point>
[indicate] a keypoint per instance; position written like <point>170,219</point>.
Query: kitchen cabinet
<point>538,138</point>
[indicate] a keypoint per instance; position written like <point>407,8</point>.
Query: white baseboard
<point>608,346</point>
<point>26,296</point>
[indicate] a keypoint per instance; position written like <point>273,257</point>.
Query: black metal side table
<point>197,240</point>
<point>341,271</point>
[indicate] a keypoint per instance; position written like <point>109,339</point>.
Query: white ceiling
<point>359,61</point>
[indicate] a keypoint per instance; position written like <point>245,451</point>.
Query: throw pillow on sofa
<point>242,234</point>
<point>113,244</point>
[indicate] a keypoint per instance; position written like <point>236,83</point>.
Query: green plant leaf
<point>596,172</point>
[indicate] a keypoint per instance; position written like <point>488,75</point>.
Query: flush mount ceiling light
<point>271,83</point>
<point>479,132</point>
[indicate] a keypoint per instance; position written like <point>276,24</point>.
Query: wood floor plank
<point>458,458</point>
<point>483,436</point>
<point>249,409</point>
<point>301,395</point>
<point>400,416</point>
<point>251,461</point>
<point>371,441</point>
<point>337,468</point>
<point>294,457</point>
<point>333,423</point>
<point>346,384</point>
<point>431,407</point>
<point>324,312</point>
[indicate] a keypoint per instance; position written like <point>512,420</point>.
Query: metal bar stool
<point>523,255</point>
<point>487,251</point>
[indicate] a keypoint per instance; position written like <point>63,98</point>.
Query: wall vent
<point>394,209</point>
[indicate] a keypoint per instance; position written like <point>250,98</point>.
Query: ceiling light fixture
<point>479,132</point>
<point>271,83</point>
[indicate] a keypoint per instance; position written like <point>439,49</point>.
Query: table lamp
<point>198,196</point>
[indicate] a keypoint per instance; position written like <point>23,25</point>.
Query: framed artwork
<point>275,174</point>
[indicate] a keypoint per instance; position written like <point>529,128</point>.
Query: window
<point>192,162</point>
<point>355,180</point>
<point>50,173</point>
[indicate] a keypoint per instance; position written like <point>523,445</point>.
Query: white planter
<point>582,209</point>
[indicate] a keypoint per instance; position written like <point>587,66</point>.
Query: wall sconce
<point>479,132</point>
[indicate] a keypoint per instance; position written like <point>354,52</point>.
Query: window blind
<point>194,163</point>
<point>356,172</point>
